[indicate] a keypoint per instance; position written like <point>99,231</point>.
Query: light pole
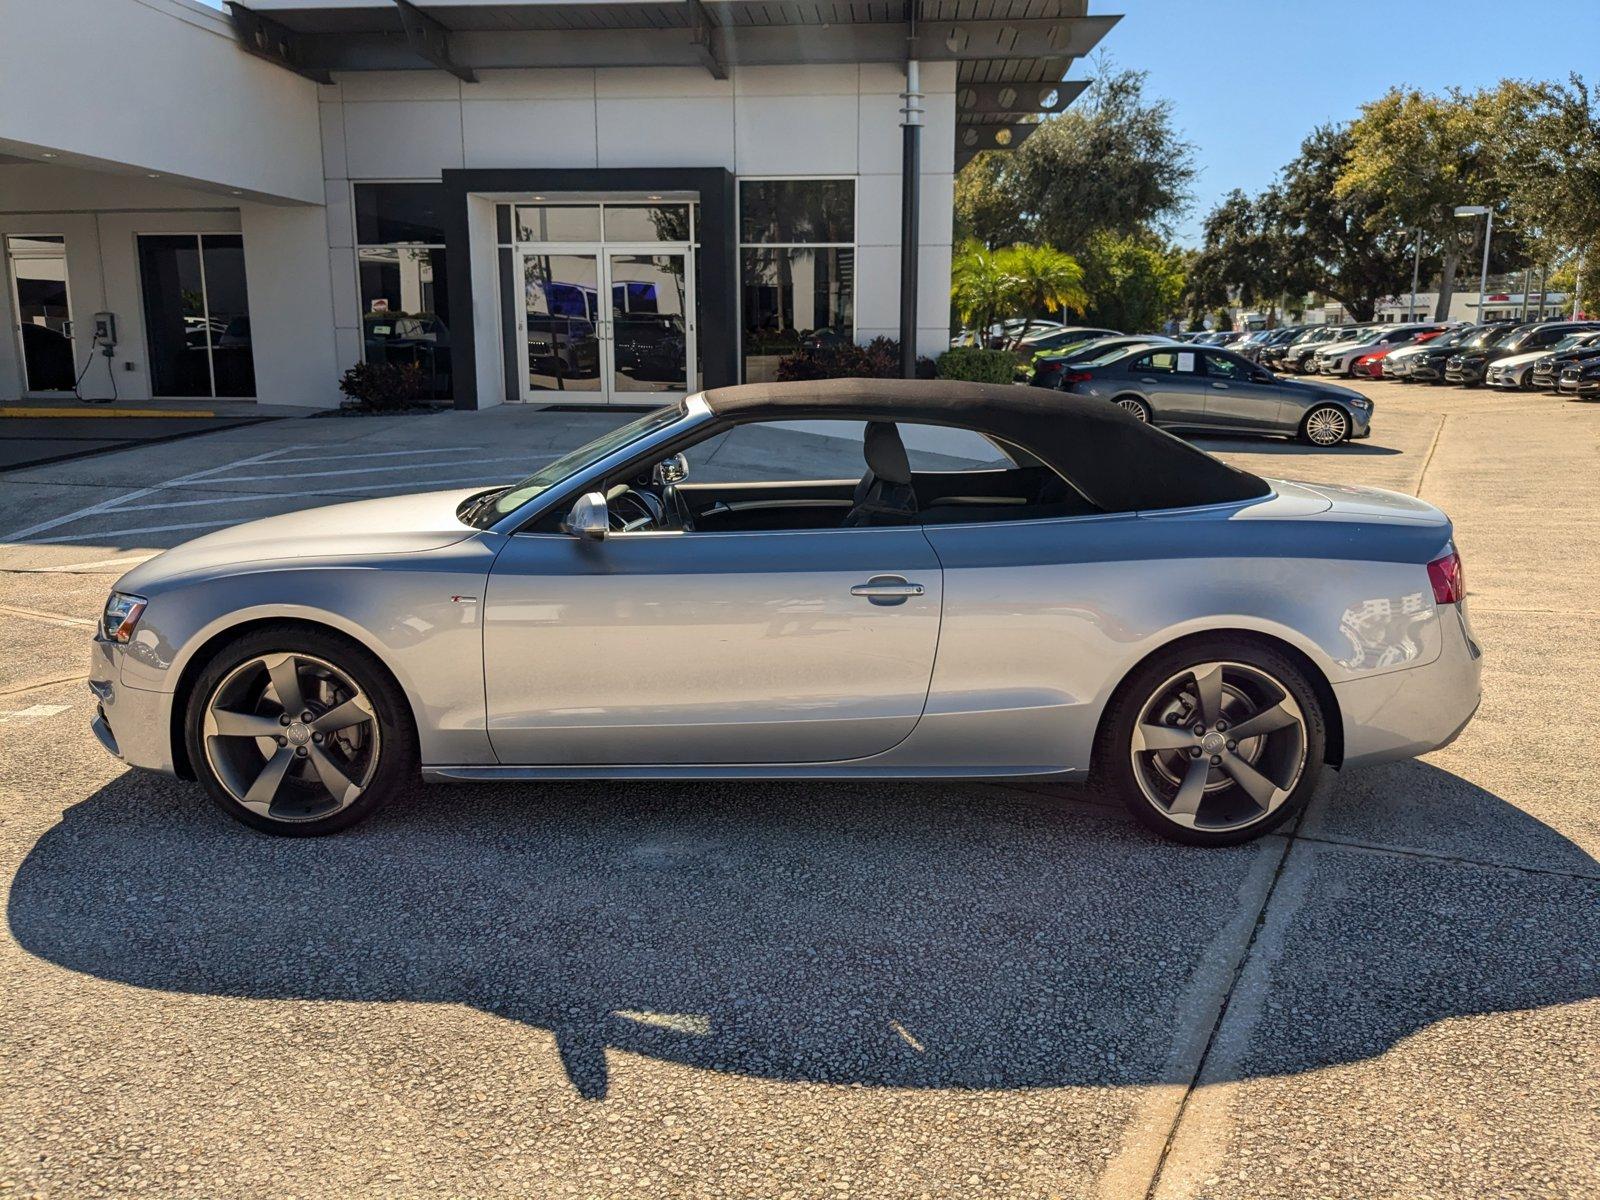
<point>1481,210</point>
<point>1416,270</point>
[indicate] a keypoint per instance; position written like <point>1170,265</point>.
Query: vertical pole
<point>1577,289</point>
<point>1416,272</point>
<point>1527,282</point>
<point>910,191</point>
<point>1483,275</point>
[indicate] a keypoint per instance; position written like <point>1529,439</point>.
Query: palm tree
<point>1045,278</point>
<point>981,287</point>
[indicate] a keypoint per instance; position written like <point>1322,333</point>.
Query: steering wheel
<point>630,510</point>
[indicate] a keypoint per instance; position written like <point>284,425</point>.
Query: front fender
<point>419,615</point>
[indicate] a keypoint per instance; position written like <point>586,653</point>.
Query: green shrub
<point>976,365</point>
<point>383,387</point>
<point>878,359</point>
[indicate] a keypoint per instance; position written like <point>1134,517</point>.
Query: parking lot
<point>808,989</point>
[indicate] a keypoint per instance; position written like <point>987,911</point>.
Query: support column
<point>910,233</point>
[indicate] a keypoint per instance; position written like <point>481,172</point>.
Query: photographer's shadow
<point>911,935</point>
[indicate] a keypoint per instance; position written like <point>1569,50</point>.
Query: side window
<point>1169,362</point>
<point>1220,366</point>
<point>780,451</point>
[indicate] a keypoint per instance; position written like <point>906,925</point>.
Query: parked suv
<point>1519,371</point>
<point>1546,373</point>
<point>1429,365</point>
<point>1297,358</point>
<point>1339,359</point>
<point>1469,367</point>
<point>1581,380</point>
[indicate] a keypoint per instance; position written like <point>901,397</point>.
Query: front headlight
<point>1360,402</point>
<point>121,615</point>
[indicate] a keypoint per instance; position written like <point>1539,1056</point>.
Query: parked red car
<point>1370,366</point>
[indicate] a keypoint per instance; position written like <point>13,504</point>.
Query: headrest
<point>886,453</point>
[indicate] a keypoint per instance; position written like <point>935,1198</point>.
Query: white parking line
<point>34,712</point>
<point>461,462</point>
<point>93,567</point>
<point>139,494</point>
<point>408,485</point>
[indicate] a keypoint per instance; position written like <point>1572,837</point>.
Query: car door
<point>794,646</point>
<point>1235,398</point>
<point>1171,382</point>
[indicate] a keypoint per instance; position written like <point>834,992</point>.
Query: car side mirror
<point>589,518</point>
<point>670,470</point>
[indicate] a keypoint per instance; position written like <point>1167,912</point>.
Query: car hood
<point>1312,387</point>
<point>1339,347</point>
<point>1516,360</point>
<point>360,530</point>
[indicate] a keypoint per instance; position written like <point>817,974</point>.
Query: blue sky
<point>1249,78</point>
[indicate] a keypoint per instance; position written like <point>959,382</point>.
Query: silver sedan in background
<point>1081,597</point>
<point>1209,390</point>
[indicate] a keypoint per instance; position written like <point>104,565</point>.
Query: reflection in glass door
<point>639,343</point>
<point>39,299</point>
<point>196,314</point>
<point>650,325</point>
<point>560,318</point>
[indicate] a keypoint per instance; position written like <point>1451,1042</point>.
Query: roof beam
<point>430,40</point>
<point>1017,99</point>
<point>735,45</point>
<point>972,139</point>
<point>707,40</point>
<point>267,39</point>
<point>1046,37</point>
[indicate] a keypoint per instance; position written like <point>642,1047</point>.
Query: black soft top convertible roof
<point>1117,462</point>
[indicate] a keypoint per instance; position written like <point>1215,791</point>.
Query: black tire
<point>1114,766</point>
<point>1143,414</point>
<point>1321,411</point>
<point>396,770</point>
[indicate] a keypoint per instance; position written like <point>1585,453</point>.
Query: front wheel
<point>1214,742</point>
<point>297,732</point>
<point>1325,425</point>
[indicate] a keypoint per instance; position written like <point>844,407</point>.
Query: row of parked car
<point>1557,356</point>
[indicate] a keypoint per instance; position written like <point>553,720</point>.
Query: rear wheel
<point>1135,408</point>
<point>298,732</point>
<point>1214,742</point>
<point>1325,425</point>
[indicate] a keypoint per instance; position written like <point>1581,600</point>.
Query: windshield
<point>1487,337</point>
<point>488,509</point>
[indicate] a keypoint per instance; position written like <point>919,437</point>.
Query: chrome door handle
<point>887,589</point>
<point>1221,387</point>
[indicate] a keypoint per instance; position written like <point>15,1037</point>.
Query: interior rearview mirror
<point>589,517</point>
<point>671,470</point>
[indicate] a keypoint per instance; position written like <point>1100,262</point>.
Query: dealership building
<point>573,202</point>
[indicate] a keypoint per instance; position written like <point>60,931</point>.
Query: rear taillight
<point>1449,585</point>
<point>1077,377</point>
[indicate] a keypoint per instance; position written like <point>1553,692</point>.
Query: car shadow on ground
<point>908,935</point>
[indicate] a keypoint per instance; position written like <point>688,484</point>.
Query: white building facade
<point>590,203</point>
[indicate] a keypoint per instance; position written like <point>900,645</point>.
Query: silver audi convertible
<point>1097,601</point>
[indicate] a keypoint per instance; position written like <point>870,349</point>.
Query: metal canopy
<point>1011,54</point>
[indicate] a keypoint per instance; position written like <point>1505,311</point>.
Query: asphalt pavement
<point>817,989</point>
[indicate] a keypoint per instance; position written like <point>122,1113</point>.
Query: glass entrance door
<point>651,326</point>
<point>560,323</point>
<point>606,325</point>
<point>38,270</point>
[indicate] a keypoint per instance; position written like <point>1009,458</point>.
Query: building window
<point>196,314</point>
<point>405,289</point>
<point>797,267</point>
